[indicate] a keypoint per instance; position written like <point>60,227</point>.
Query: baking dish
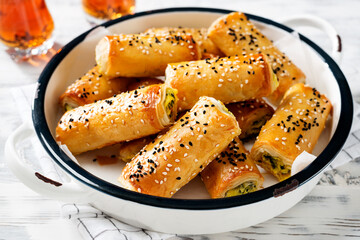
<point>177,215</point>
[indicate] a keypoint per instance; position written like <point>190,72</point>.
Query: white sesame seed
<point>177,160</point>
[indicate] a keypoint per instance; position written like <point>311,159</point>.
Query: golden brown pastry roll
<point>235,34</point>
<point>140,55</point>
<point>232,173</point>
<point>91,87</point>
<point>126,116</point>
<point>167,164</point>
<point>129,149</point>
<point>138,83</point>
<point>230,79</point>
<point>251,116</point>
<point>295,127</point>
<point>207,47</point>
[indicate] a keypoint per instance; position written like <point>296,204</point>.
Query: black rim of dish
<point>276,190</point>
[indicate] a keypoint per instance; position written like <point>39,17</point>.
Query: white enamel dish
<point>189,212</point>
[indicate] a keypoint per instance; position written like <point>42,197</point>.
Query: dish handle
<point>321,24</point>
<point>66,191</point>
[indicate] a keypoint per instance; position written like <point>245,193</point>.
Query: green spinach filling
<point>169,102</point>
<point>276,164</point>
<point>246,187</point>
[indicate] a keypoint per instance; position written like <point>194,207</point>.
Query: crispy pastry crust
<point>139,55</point>
<point>127,116</point>
<point>295,127</point>
<point>235,34</point>
<point>251,116</point>
<point>91,87</point>
<point>175,158</point>
<point>207,47</point>
<point>230,169</point>
<point>230,79</point>
<point>129,149</point>
<point>138,83</point>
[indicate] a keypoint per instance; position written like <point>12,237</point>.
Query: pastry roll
<point>167,164</point>
<point>139,55</point>
<point>126,116</point>
<point>251,116</point>
<point>129,149</point>
<point>295,127</point>
<point>235,34</point>
<point>232,173</point>
<point>207,47</point>
<point>138,83</point>
<point>230,79</point>
<point>91,87</point>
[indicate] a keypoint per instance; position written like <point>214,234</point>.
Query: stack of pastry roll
<point>235,34</point>
<point>251,116</point>
<point>124,117</point>
<point>91,87</point>
<point>232,173</point>
<point>143,55</point>
<point>172,160</point>
<point>207,47</point>
<point>228,79</point>
<point>295,127</point>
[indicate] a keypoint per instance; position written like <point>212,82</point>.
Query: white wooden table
<point>330,211</point>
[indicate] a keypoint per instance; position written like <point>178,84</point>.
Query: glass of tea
<point>99,11</point>
<point>26,27</point>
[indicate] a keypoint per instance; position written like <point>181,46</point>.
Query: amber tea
<point>108,9</point>
<point>24,24</point>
